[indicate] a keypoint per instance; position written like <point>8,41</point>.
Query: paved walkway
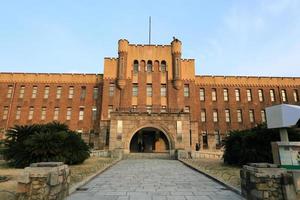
<point>152,180</point>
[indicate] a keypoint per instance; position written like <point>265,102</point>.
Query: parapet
<point>123,45</point>
<point>176,45</point>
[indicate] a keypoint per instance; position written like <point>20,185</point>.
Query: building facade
<point>147,100</point>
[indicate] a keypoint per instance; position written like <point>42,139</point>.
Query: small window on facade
<point>43,113</point>
<point>135,66</point>
<point>18,113</point>
<point>135,90</point>
<point>272,95</point>
<point>81,114</point>
<point>22,91</point>
<point>203,115</point>
<point>214,94</point>
<point>9,91</point>
<point>46,92</point>
<point>239,115</point>
<point>94,113</point>
<point>251,116</point>
<point>202,94</point>
<point>163,66</point>
<point>111,89</point>
<point>225,93</point>
<point>163,90</point>
<point>134,108</point>
<point>69,113</point>
<point>217,139</point>
<point>149,90</point>
<point>260,95</point>
<point>163,109</point>
<point>186,90</point>
<point>227,115</point>
<point>204,139</point>
<point>83,92</point>
<point>249,95</point>
<point>186,109</point>
<point>109,110</point>
<point>34,92</point>
<point>296,96</point>
<point>283,95</point>
<point>149,66</point>
<point>263,116</point>
<point>56,113</point>
<point>95,93</point>
<point>30,113</point>
<point>148,109</point>
<point>71,92</point>
<point>237,95</point>
<point>215,115</point>
<point>5,112</point>
<point>58,92</point>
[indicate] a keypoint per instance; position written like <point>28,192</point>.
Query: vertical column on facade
<point>176,61</point>
<point>122,66</point>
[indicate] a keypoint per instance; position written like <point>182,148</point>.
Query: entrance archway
<point>149,140</point>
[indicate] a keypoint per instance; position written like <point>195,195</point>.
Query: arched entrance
<point>149,140</point>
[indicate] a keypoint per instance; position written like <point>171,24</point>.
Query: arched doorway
<point>149,140</point>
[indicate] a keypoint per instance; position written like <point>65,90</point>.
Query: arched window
<point>163,66</point>
<point>149,66</point>
<point>135,66</point>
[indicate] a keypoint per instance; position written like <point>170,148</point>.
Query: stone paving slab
<point>147,179</point>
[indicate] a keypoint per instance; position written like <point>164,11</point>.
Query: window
<point>163,66</point>
<point>214,94</point>
<point>217,139</point>
<point>225,93</point>
<point>260,95</point>
<point>83,92</point>
<point>69,113</point>
<point>186,90</point>
<point>296,96</point>
<point>149,90</point>
<point>203,115</point>
<point>46,92</point>
<point>239,115</point>
<point>202,94</point>
<point>135,90</point>
<point>5,112</point>
<point>251,116</point>
<point>272,95</point>
<point>18,113</point>
<point>9,91</point>
<point>109,110</point>
<point>227,115</point>
<point>95,93</point>
<point>111,89</point>
<point>94,113</point>
<point>30,114</point>
<point>163,109</point>
<point>215,115</point>
<point>237,95</point>
<point>22,91</point>
<point>134,108</point>
<point>43,113</point>
<point>56,113</point>
<point>135,66</point>
<point>148,109</point>
<point>34,92</point>
<point>163,90</point>
<point>81,114</point>
<point>283,95</point>
<point>71,92</point>
<point>263,115</point>
<point>186,109</point>
<point>58,92</point>
<point>249,95</point>
<point>204,139</point>
<point>149,66</point>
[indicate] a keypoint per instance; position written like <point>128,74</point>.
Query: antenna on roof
<point>149,30</point>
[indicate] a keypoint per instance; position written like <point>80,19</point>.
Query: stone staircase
<point>147,156</point>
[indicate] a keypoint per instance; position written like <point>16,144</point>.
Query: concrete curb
<point>232,188</point>
<point>91,177</point>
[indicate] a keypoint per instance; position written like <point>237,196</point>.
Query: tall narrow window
<point>149,90</point>
<point>186,90</point>
<point>163,90</point>
<point>22,91</point>
<point>81,114</point>
<point>239,115</point>
<point>58,92</point>
<point>83,92</point>
<point>260,95</point>
<point>71,92</point>
<point>163,66</point>
<point>263,115</point>
<point>203,115</point>
<point>69,113</point>
<point>135,66</point>
<point>34,92</point>
<point>135,90</point>
<point>217,139</point>
<point>30,113</point>
<point>5,112</point>
<point>214,94</point>
<point>111,89</point>
<point>46,92</point>
<point>249,95</point>
<point>204,139</point>
<point>215,115</point>
<point>225,94</point>
<point>296,96</point>
<point>272,95</point>
<point>251,116</point>
<point>9,91</point>
<point>95,93</point>
<point>237,95</point>
<point>283,95</point>
<point>56,113</point>
<point>202,94</point>
<point>149,66</point>
<point>43,113</point>
<point>227,115</point>
<point>94,113</point>
<point>186,109</point>
<point>109,110</point>
<point>18,113</point>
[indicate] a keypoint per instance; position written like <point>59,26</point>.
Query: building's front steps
<point>147,156</point>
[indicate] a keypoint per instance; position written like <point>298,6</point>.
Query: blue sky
<point>229,37</point>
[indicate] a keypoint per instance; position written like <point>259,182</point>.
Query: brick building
<point>147,100</point>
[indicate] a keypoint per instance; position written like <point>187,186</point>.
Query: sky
<point>225,37</point>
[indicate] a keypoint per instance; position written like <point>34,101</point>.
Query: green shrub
<point>44,143</point>
<point>252,145</point>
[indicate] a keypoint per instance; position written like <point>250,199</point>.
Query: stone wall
<point>47,181</point>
